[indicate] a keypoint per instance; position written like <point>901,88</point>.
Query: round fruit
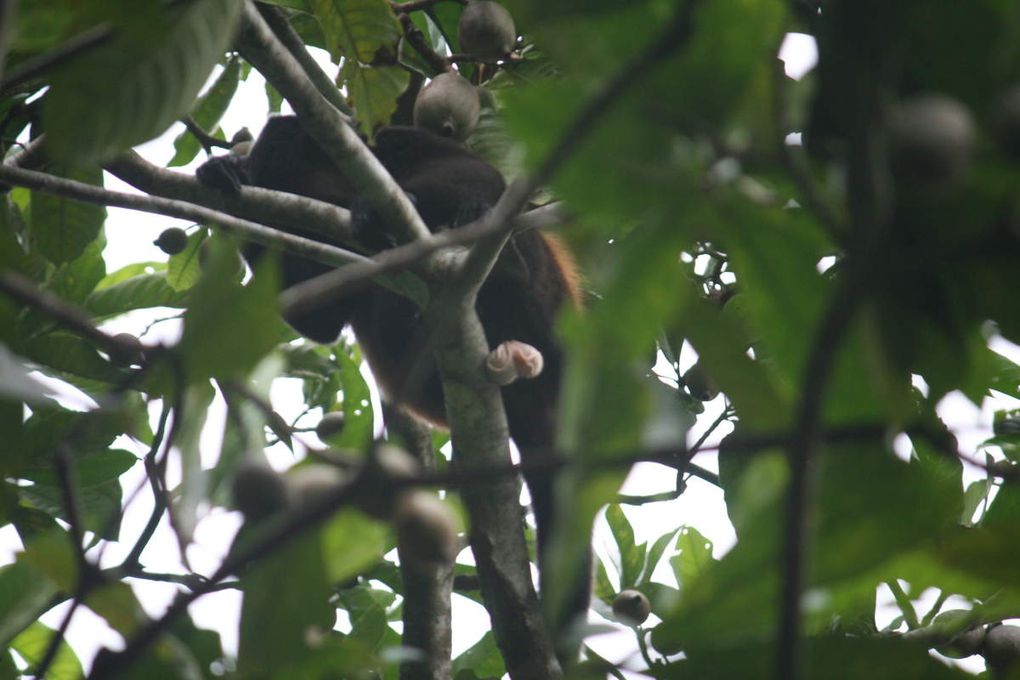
<point>700,386</point>
<point>332,423</point>
<point>631,607</point>
<point>426,529</point>
<point>127,350</point>
<point>932,138</point>
<point>1002,648</point>
<point>172,241</point>
<point>486,30</point>
<point>258,491</point>
<point>448,106</point>
<point>310,485</point>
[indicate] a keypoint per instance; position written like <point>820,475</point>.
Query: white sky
<point>130,237</point>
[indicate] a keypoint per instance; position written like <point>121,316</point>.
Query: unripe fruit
<point>242,135</point>
<point>172,241</point>
<point>127,350</point>
<point>631,607</point>
<point>448,106</point>
<point>700,386</point>
<point>1002,648</point>
<point>332,423</point>
<point>426,529</point>
<point>486,30</point>
<point>965,643</point>
<point>932,138</point>
<point>314,484</point>
<point>257,490</point>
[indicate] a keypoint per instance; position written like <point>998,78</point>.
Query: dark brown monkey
<point>450,186</point>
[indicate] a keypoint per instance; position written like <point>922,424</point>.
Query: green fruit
<point>486,30</point>
<point>257,490</point>
<point>172,241</point>
<point>331,424</point>
<point>448,106</point>
<point>699,385</point>
<point>127,350</point>
<point>426,529</point>
<point>931,139</point>
<point>631,607</point>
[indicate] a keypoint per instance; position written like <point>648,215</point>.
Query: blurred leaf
<point>351,542</point>
<point>194,486</point>
<point>285,603</point>
<point>827,657</point>
<point>482,659</point>
<point>24,595</point>
<point>31,645</point>
<point>228,327</point>
<point>89,115</point>
<point>70,354</point>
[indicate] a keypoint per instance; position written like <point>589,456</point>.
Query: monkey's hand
<point>223,173</point>
<point>511,360</point>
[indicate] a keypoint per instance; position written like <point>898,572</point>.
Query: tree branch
<point>329,127</point>
<point>252,231</point>
<point>278,209</point>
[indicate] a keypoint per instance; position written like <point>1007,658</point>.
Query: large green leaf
<point>134,85</point>
<point>61,229</point>
<point>139,292</point>
<point>362,30</point>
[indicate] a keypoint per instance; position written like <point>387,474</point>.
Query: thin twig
<point>416,39</point>
<point>415,5</point>
<point>207,141</point>
<point>904,603</point>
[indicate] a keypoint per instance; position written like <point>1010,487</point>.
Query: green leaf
<point>139,292</point>
<point>361,30</point>
<point>70,354</point>
<point>632,556</point>
<point>32,643</point>
<point>76,279</point>
<point>351,543</point>
<point>25,594</point>
<point>373,91</point>
<point>106,99</point>
<point>228,327</point>
<point>207,113</point>
<point>185,268</point>
<point>285,600</point>
<point>357,404</point>
<point>483,659</point>
<point>61,229</point>
<point>694,556</point>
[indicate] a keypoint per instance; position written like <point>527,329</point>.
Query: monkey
<point>532,281</point>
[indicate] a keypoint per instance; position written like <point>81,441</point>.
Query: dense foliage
<point>835,285</point>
